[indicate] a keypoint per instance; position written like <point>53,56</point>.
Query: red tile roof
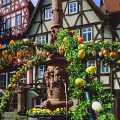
<point>112,5</point>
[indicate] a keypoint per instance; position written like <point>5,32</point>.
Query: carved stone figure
<point>56,78</point>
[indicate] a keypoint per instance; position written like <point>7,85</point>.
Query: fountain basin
<point>56,117</point>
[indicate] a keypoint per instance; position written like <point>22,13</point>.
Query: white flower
<point>96,106</point>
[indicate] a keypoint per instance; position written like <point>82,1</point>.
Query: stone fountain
<point>56,76</point>
<point>56,81</point>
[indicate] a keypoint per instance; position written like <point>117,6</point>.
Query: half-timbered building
<point>90,21</point>
<point>15,16</point>
<point>14,19</point>
<point>83,16</point>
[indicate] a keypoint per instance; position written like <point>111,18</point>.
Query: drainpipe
<point>57,19</point>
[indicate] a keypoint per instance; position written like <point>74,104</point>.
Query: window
<point>11,74</point>
<point>41,70</point>
<point>104,68</point>
<point>91,63</point>
<point>48,13</point>
<point>24,78</point>
<point>8,24</point>
<point>3,81</point>
<point>41,39</point>
<point>6,2</point>
<point>18,19</point>
<point>87,34</point>
<point>72,7</point>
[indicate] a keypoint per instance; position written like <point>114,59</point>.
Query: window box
<point>72,7</point>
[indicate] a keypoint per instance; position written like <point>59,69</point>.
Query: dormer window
<point>6,2</point>
<point>48,13</point>
<point>72,7</point>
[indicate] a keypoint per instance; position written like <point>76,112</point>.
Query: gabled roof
<point>112,6</point>
<point>97,10</point>
<point>34,14</point>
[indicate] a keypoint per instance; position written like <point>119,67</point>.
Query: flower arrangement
<point>46,112</point>
<point>91,70</point>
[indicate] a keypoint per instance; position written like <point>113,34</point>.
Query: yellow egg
<point>81,54</point>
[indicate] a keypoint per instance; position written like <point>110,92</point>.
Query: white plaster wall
<point>86,6</point>
<point>48,24</point>
<point>92,17</point>
<point>104,79</point>
<point>107,32</point>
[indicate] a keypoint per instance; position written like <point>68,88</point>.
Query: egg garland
<point>97,106</point>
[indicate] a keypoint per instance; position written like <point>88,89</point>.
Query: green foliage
<point>77,69</point>
<point>80,112</point>
<point>71,46</point>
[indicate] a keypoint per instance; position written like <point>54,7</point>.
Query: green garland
<point>77,53</point>
<point>35,60</point>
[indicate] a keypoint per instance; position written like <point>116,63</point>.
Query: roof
<point>112,5</point>
<point>34,14</point>
<point>97,10</point>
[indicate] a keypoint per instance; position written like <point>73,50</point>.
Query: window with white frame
<point>18,19</point>
<point>8,23</point>
<point>6,2</point>
<point>41,70</point>
<point>48,13</point>
<point>104,68</point>
<point>91,63</point>
<point>41,39</point>
<point>72,7</point>
<point>87,33</point>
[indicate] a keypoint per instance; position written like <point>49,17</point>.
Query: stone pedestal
<point>21,100</point>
